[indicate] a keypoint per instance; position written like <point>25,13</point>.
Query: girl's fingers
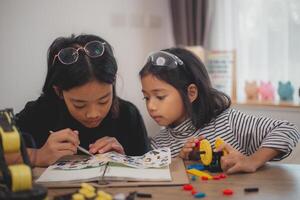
<point>66,146</point>
<point>220,148</point>
<point>191,142</point>
<point>65,153</point>
<point>66,135</point>
<point>99,144</point>
<point>183,155</point>
<point>187,150</point>
<point>227,162</point>
<point>106,144</point>
<point>191,139</point>
<point>233,169</point>
<point>105,148</point>
<point>202,137</point>
<point>118,148</point>
<point>189,145</point>
<point>226,147</point>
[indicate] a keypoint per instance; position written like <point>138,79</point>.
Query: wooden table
<point>275,181</point>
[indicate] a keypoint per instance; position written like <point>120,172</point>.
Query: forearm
<point>34,156</point>
<point>268,133</point>
<point>14,158</point>
<point>262,155</point>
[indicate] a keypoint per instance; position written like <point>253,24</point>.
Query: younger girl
<point>79,104</point>
<point>179,96</point>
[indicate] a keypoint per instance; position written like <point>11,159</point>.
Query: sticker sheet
<point>156,158</point>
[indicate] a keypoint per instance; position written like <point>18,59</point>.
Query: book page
<point>121,172</point>
<point>152,166</point>
<point>156,158</point>
<point>52,174</point>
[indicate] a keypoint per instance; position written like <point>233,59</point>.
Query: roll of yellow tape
<point>21,177</point>
<point>206,158</point>
<point>10,141</point>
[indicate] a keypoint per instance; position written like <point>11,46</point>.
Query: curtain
<point>189,21</point>
<point>265,35</point>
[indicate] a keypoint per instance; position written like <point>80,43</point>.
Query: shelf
<point>277,105</point>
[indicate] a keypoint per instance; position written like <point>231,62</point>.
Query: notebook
<point>151,167</point>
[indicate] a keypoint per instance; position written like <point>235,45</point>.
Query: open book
<point>152,166</point>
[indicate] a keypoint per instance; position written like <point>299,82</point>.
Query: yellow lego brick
<point>199,173</point>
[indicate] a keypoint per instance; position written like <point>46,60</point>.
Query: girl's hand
<point>235,161</point>
<point>189,147</point>
<point>106,144</point>
<point>58,144</point>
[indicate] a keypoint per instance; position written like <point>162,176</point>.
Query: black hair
<point>84,70</point>
<point>209,102</point>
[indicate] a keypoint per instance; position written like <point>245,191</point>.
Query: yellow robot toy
<point>16,179</point>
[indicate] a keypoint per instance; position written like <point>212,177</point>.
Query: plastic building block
<point>196,166</point>
<point>188,187</point>
<point>88,187</point>
<point>120,196</point>
<point>78,196</point>
<point>200,195</point>
<point>103,195</point>
<point>143,195</point>
<point>199,173</point>
<point>228,192</point>
<point>194,178</point>
<point>193,192</point>
<point>223,176</point>
<point>87,193</point>
<point>254,189</point>
<point>206,156</point>
<point>216,177</point>
<point>197,144</point>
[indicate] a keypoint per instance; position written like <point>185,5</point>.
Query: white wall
<point>27,28</point>
<point>133,27</point>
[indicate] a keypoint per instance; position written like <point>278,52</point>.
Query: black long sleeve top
<point>47,114</point>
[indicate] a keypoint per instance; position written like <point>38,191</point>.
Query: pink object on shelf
<point>266,91</point>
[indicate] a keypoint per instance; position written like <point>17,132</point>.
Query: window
<point>266,37</point>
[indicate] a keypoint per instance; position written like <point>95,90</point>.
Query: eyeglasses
<point>163,58</point>
<point>69,55</point>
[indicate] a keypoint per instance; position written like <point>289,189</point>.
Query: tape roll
<point>21,177</point>
<point>205,158</point>
<point>11,141</point>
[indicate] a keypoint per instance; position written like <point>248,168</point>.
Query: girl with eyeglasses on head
<point>179,96</point>
<point>79,104</point>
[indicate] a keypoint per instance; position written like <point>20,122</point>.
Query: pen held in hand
<point>85,151</point>
<point>81,149</point>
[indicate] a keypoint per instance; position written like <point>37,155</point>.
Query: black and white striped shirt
<point>243,132</point>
